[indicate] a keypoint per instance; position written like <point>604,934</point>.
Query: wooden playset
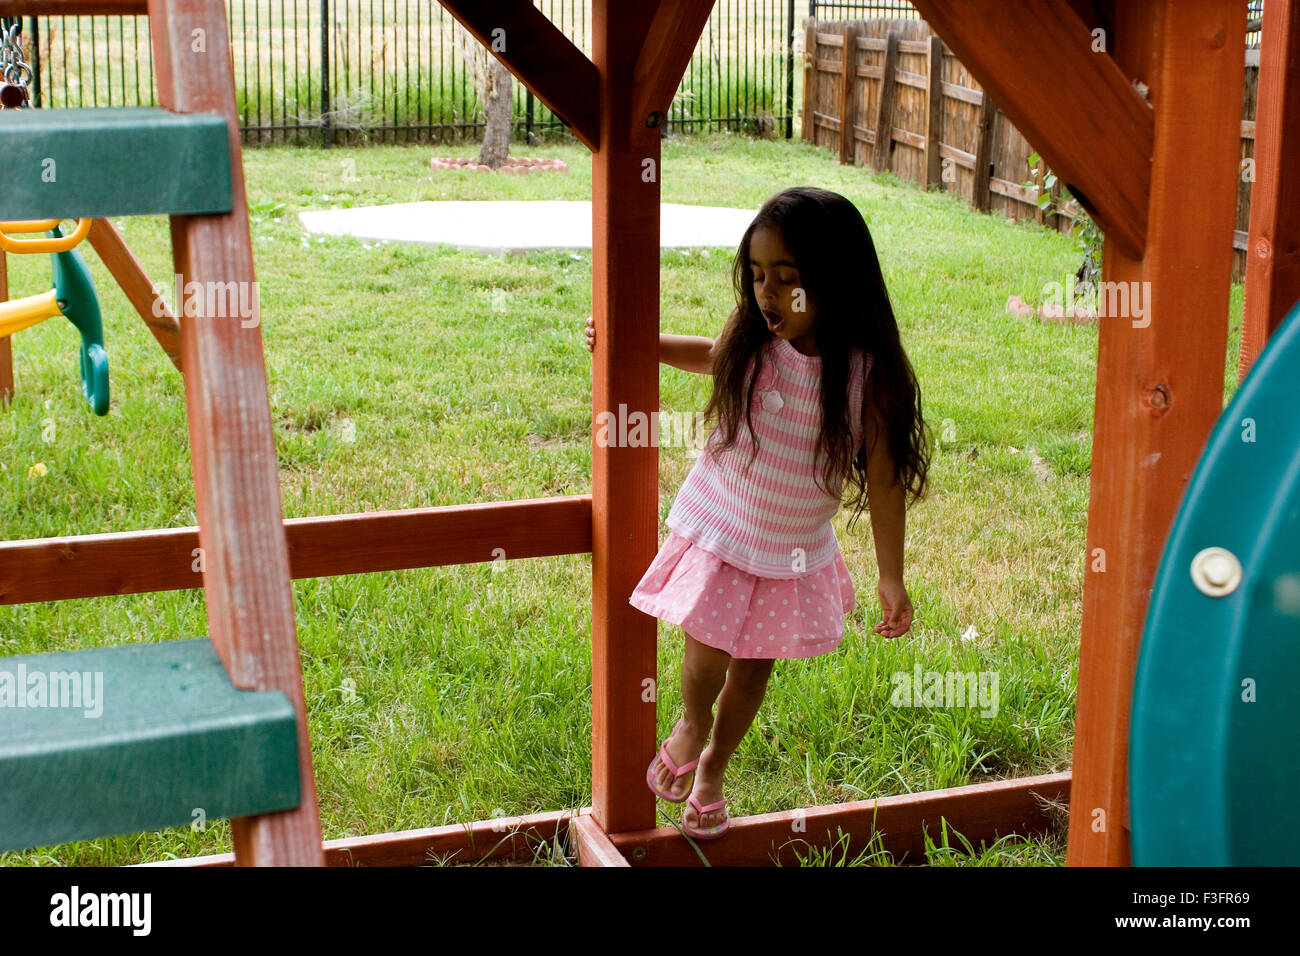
<point>219,723</point>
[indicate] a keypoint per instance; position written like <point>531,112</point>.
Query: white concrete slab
<point>501,227</point>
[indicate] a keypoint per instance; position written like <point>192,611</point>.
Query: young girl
<point>751,569</point>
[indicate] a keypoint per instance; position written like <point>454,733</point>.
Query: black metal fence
<point>349,71</point>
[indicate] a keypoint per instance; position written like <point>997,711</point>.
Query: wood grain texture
<point>1077,107</point>
<point>849,32</point>
<point>1273,246</point>
<point>1160,384</point>
<point>934,112</point>
<point>73,8</point>
<point>540,56</point>
<point>979,197</point>
<point>593,846</point>
<point>982,811</point>
<point>236,478</point>
<point>139,562</point>
<point>665,53</point>
<point>126,269</point>
<point>979,811</point>
<point>504,838</point>
<point>883,149</point>
<point>625,173</point>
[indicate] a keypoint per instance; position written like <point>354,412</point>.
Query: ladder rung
<point>116,161</point>
<point>172,739</point>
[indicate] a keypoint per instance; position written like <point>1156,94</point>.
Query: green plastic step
<point>1214,745</point>
<point>116,161</point>
<point>143,737</point>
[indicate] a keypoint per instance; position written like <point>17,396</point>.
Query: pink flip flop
<point>710,833</point>
<point>678,772</point>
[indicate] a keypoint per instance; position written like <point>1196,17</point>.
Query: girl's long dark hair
<point>841,278</point>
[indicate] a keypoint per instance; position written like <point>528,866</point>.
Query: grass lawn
<point>410,376</point>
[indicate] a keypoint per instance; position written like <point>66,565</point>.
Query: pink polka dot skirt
<point>743,614</point>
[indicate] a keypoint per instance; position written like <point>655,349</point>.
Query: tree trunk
<point>493,84</point>
<point>498,104</point>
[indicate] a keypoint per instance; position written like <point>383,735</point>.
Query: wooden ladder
<point>244,555</point>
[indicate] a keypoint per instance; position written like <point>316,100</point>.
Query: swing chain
<point>14,70</point>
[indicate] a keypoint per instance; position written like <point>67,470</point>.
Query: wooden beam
<point>141,562</point>
<point>934,113</point>
<point>593,846</point>
<point>540,57</point>
<point>980,811</point>
<point>236,478</point>
<point>1005,187</point>
<point>1039,188</point>
<point>963,93</point>
<point>959,157</point>
<point>125,268</point>
<point>979,195</point>
<point>498,840</point>
<point>849,31</point>
<point>664,56</point>
<point>1070,212</point>
<point>883,148</point>
<point>1077,107</point>
<point>73,8</point>
<point>1273,246</point>
<point>625,373</point>
<point>907,138</point>
<point>983,811</point>
<point>1159,375</point>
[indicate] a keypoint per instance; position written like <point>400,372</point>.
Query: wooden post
<point>1159,377</point>
<point>809,127</point>
<point>1039,216</point>
<point>934,113</point>
<point>1273,244</point>
<point>1054,219</point>
<point>236,479</point>
<point>979,194</point>
<point>6,346</point>
<point>884,145</point>
<point>850,32</point>
<point>625,170</point>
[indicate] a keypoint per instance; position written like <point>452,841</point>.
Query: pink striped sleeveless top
<point>774,521</point>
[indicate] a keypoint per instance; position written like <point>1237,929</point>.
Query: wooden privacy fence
<point>904,88</point>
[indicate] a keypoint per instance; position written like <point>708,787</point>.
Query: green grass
<point>396,383</point>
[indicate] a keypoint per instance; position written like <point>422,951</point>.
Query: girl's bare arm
<point>693,353</point>
<point>886,500</point>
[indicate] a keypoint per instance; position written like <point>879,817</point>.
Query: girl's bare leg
<point>746,685</point>
<point>704,669</point>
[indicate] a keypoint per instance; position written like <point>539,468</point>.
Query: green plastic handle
<point>75,291</point>
<point>94,377</point>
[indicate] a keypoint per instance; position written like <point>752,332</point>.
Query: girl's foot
<point>683,746</point>
<point>707,789</point>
